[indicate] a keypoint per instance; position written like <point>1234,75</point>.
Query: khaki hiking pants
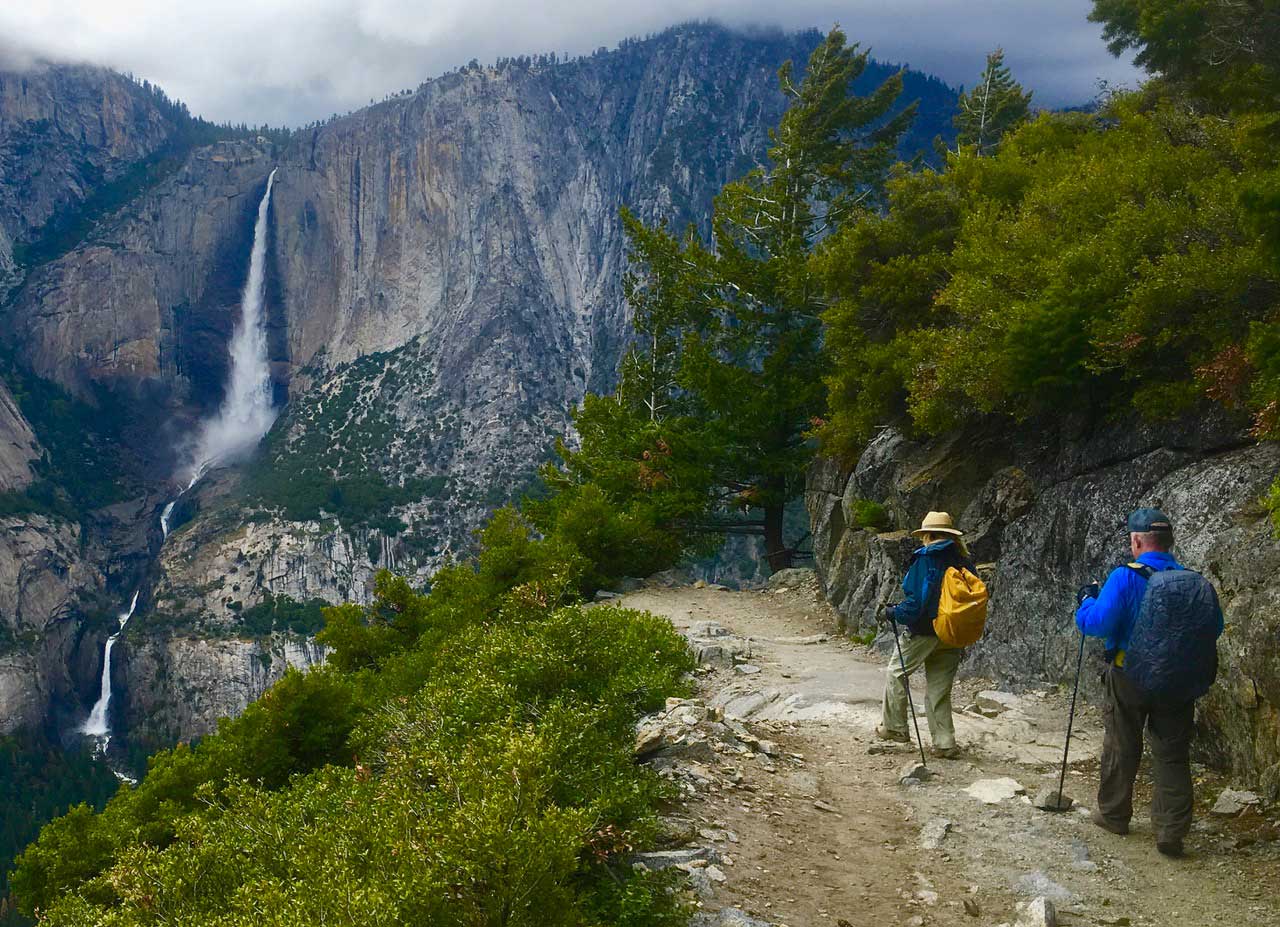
<point>940,663</point>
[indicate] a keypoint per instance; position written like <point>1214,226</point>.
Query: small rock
<point>917,771</point>
<point>664,859</point>
<point>715,655</point>
<point>994,791</point>
<point>709,629</point>
<point>917,921</point>
<point>991,703</point>
<point>934,832</point>
<point>880,749</point>
<point>700,584</point>
<point>1049,799</point>
<point>925,896</point>
<point>972,908</point>
<point>715,874</point>
<point>823,806</point>
<point>747,669</point>
<point>1230,802</point>
<point>1039,913</point>
<point>603,596</point>
<point>716,587</point>
<point>726,917</point>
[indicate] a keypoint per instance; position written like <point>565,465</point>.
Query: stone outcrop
<point>176,686</point>
<point>18,445</point>
<point>65,132</point>
<point>147,304</point>
<point>1045,508</point>
<point>44,578</point>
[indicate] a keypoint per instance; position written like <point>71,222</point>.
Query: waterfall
<point>164,519</point>
<point>97,725</point>
<point>247,410</point>
<point>246,415</point>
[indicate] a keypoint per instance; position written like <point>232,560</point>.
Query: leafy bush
<point>1092,262</point>
<point>868,514</point>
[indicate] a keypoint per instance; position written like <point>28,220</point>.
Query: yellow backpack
<point>962,608</point>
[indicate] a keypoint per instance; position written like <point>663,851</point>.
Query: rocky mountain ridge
<point>443,284</point>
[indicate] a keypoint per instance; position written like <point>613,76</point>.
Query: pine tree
<point>994,106</point>
<point>750,365</point>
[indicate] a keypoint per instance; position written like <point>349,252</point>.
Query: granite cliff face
<point>1045,508</point>
<point>443,285</point>
<point>65,134</point>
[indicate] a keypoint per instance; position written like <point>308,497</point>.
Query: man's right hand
<point>1087,591</point>
<point>886,614</point>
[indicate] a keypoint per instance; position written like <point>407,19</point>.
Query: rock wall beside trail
<point>1045,507</point>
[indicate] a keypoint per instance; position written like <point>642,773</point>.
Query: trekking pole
<point>1071,717</point>
<point>906,684</point>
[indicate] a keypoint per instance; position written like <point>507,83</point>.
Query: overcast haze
<point>286,62</point>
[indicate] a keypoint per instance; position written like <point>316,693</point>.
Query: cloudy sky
<point>290,61</point>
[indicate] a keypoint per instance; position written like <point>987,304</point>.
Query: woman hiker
<point>943,547</point>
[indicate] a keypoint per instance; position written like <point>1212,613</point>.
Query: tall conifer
<point>996,104</point>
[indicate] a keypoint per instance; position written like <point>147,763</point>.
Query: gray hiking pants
<point>940,663</point>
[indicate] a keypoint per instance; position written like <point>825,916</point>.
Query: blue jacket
<point>1112,614</point>
<point>922,585</point>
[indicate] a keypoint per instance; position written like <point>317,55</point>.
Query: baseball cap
<point>1145,520</point>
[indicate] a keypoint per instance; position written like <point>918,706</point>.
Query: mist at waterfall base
<point>247,411</point>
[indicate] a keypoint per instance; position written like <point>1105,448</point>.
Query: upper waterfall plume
<point>247,410</point>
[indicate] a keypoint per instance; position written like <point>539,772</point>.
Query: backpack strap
<point>1141,569</point>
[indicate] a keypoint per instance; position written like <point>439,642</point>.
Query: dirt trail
<point>822,832</point>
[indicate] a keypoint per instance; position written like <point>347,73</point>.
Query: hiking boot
<point>1116,827</point>
<point>945,753</point>
<point>1170,848</point>
<point>896,736</point>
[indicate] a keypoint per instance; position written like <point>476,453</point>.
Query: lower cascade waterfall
<point>246,414</point>
<point>97,725</point>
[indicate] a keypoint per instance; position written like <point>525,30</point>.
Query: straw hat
<point>937,523</point>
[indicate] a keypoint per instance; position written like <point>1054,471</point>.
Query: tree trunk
<point>775,547</point>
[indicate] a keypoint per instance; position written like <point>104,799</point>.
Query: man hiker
<point>922,586</point>
<point>1161,623</point>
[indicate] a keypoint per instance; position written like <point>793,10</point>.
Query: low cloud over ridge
<point>286,62</point>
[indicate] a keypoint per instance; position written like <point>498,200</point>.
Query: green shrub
<point>1271,502</point>
<point>478,771</point>
<point>868,514</point>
